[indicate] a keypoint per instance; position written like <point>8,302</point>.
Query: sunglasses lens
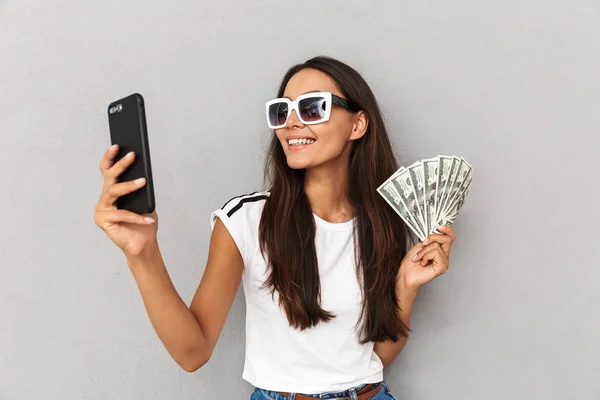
<point>312,109</point>
<point>278,113</point>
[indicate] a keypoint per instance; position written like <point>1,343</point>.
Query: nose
<point>293,121</point>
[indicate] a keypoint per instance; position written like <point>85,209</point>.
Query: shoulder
<point>241,210</point>
<point>241,216</point>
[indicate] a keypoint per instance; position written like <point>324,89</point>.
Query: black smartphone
<point>128,129</point>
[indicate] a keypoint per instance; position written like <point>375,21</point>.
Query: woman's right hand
<point>131,232</point>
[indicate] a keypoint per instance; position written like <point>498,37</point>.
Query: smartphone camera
<point>115,109</point>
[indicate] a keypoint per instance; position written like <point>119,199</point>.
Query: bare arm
<point>388,350</point>
<point>190,334</point>
<point>421,264</point>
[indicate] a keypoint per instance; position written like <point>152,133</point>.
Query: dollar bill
<point>403,184</point>
<point>457,183</point>
<point>448,169</point>
<point>430,174</point>
<point>454,208</point>
<point>390,194</point>
<point>415,172</point>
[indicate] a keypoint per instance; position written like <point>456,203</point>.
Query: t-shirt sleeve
<point>236,223</point>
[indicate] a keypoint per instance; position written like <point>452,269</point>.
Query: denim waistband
<point>325,395</point>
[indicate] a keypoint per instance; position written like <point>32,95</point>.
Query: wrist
<point>406,292</point>
<point>147,255</point>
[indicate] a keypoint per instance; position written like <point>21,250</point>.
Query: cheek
<point>333,132</point>
<point>280,134</point>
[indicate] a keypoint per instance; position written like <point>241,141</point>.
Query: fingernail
<point>113,147</point>
<point>426,241</point>
<point>139,181</point>
<point>148,219</point>
<point>414,257</point>
<point>442,227</point>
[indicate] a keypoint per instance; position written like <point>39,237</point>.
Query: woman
<point>325,263</point>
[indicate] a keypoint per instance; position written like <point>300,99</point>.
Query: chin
<point>297,165</point>
<point>298,162</point>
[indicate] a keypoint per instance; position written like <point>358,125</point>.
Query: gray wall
<point>511,85</point>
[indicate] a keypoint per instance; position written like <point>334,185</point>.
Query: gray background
<point>511,85</point>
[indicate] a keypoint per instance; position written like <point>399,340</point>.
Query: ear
<point>361,122</point>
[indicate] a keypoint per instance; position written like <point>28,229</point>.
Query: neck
<point>327,190</point>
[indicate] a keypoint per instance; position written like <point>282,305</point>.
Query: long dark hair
<point>287,227</point>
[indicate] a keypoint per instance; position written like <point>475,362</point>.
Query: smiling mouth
<point>293,143</point>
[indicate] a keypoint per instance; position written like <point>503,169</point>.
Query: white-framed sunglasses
<point>311,108</point>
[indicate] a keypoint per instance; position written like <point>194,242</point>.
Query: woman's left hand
<point>426,260</point>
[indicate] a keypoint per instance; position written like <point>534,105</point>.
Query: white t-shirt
<point>324,358</point>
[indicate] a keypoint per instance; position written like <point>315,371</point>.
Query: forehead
<point>310,80</point>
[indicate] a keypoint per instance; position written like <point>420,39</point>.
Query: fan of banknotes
<point>429,193</point>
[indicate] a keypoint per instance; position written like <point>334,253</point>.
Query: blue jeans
<point>382,394</point>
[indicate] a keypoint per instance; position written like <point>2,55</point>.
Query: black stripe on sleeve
<point>246,200</point>
<point>237,197</point>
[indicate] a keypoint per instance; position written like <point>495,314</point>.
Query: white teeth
<point>292,142</point>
